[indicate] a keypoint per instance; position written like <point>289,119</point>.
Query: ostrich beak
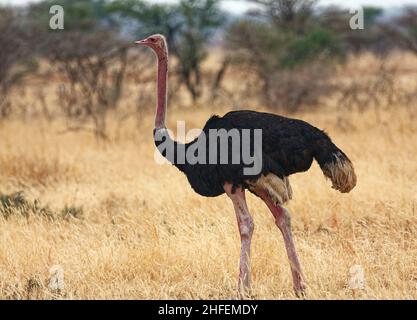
<point>141,42</point>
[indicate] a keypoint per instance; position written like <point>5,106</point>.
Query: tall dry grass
<point>144,234</point>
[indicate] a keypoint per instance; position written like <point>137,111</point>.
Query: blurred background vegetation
<point>283,55</point>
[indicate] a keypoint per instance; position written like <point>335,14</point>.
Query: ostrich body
<point>288,146</point>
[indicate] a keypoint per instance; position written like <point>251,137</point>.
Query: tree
<point>404,29</point>
<point>289,50</point>
<point>369,38</point>
<point>294,15</point>
<point>89,55</point>
<point>188,27</point>
<point>15,55</point>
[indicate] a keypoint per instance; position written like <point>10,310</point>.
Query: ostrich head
<point>157,43</point>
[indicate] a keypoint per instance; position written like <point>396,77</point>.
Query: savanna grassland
<point>122,226</point>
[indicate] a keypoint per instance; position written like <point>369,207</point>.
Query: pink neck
<point>161,90</point>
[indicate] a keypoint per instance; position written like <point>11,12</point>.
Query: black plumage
<point>288,146</point>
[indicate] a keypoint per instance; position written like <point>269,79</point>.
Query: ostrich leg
<point>283,222</point>
<point>245,224</point>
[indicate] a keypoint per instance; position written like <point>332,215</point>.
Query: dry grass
<point>145,234</point>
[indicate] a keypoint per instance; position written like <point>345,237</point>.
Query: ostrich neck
<point>162,137</point>
<point>162,80</point>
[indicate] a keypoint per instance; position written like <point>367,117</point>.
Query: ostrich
<point>288,146</point>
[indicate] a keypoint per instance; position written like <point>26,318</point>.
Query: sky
<point>240,6</point>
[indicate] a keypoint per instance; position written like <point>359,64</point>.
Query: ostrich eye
<point>152,39</point>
